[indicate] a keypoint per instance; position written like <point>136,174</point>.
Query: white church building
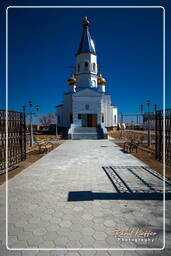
<point>87,109</point>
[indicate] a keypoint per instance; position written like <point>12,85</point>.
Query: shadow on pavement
<point>123,191</point>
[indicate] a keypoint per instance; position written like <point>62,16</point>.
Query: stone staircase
<point>81,133</point>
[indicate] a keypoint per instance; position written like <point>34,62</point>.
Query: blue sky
<point>43,43</point>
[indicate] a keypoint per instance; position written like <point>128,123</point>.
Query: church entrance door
<point>92,120</point>
<point>89,120</point>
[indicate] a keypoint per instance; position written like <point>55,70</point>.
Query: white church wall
<point>115,114</point>
<point>86,77</point>
<point>79,107</point>
<point>106,109</point>
<point>67,109</point>
<point>60,115</point>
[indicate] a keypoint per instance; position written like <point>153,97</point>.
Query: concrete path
<point>78,195</point>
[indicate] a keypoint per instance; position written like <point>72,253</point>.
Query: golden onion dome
<point>101,80</point>
<point>72,80</point>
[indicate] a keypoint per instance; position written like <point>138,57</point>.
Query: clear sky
<point>43,43</point>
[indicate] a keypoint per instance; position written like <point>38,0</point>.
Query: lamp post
<point>141,107</point>
<point>149,131</point>
<point>155,107</point>
<point>24,109</point>
<point>31,120</point>
<point>56,121</point>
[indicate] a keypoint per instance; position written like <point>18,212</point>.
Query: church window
<point>94,67</point>
<point>102,117</point>
<point>87,106</point>
<point>79,116</point>
<point>115,119</point>
<point>78,68</point>
<point>86,65</point>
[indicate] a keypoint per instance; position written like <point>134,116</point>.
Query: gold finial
<point>86,22</point>
<point>72,80</point>
<point>101,80</point>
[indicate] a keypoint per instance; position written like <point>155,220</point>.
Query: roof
<point>86,43</point>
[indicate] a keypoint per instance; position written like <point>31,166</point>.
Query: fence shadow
<point>123,190</point>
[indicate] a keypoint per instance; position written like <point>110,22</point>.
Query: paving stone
<point>74,235</point>
<point>18,244</point>
<point>76,227</point>
<point>73,254</point>
<point>87,241</point>
<point>109,223</point>
<point>99,235</point>
<point>24,235</point>
<point>73,244</point>
<point>65,224</point>
<point>87,253</point>
<point>29,253</point>
<point>39,231</point>
<point>116,253</point>
<point>99,227</point>
<point>87,231</point>
<point>50,235</point>
<point>102,253</point>
<point>40,213</point>
<point>47,244</point>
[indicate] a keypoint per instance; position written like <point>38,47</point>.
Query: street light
<point>155,107</point>
<point>37,107</point>
<point>149,131</point>
<point>24,108</point>
<point>141,107</point>
<point>31,119</point>
<point>56,121</point>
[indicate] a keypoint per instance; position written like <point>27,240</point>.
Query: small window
<point>79,116</point>
<point>78,67</point>
<point>86,65</point>
<point>115,119</point>
<point>87,106</point>
<point>102,117</point>
<point>94,67</point>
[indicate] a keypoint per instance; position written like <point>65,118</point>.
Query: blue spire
<point>86,44</point>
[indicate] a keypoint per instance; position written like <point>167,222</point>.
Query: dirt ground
<point>149,158</point>
<point>145,153</point>
<point>126,135</point>
<point>33,155</point>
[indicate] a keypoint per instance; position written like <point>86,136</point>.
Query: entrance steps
<point>88,133</point>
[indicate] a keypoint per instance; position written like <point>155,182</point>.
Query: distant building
<point>152,120</point>
<point>87,104</point>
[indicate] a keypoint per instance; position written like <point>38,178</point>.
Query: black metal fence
<point>16,138</point>
<point>160,135</point>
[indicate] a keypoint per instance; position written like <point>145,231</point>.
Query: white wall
<point>67,109</point>
<point>89,77</point>
<point>79,107</point>
<point>115,114</point>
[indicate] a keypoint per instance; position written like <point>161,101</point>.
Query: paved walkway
<point>78,195</point>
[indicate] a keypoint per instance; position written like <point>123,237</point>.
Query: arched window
<point>78,68</point>
<point>94,67</point>
<point>86,66</point>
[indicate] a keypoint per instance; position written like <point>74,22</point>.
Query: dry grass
<point>127,135</point>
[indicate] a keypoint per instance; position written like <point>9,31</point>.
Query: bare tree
<point>48,119</point>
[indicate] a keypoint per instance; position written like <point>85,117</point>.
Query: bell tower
<point>86,60</point>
